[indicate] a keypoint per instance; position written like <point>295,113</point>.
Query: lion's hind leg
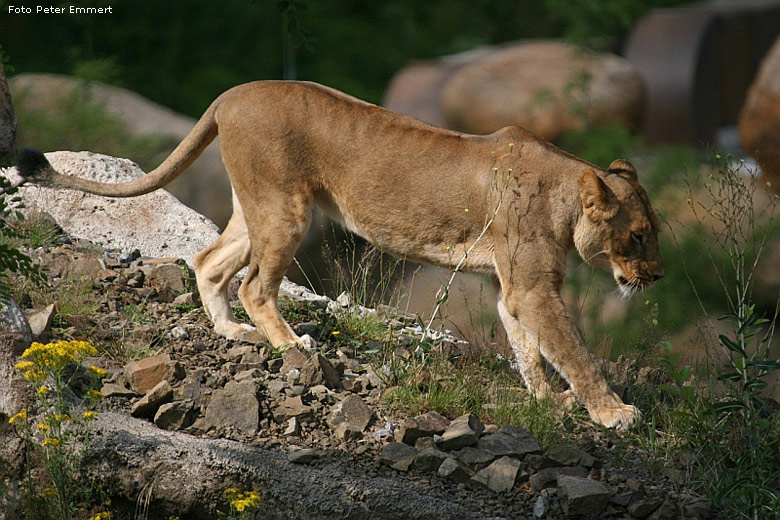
<point>215,267</point>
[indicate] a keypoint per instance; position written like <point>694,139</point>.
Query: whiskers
<point>628,288</point>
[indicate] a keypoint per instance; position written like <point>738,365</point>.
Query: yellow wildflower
<point>106,515</point>
<point>21,416</point>
<point>43,427</point>
<point>94,394</point>
<point>24,365</point>
<point>335,333</point>
<point>50,441</point>
<point>97,371</point>
<point>34,375</point>
<point>89,415</point>
<point>231,491</point>
<point>49,492</point>
<point>62,417</point>
<point>42,391</point>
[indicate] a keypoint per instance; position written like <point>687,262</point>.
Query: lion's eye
<point>638,238</point>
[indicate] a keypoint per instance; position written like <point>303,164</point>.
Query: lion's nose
<point>657,277</point>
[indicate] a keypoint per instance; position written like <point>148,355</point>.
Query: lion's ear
<point>598,201</point>
<point>623,168</point>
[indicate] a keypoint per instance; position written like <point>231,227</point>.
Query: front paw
<point>615,415</point>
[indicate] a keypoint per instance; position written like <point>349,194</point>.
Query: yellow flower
<point>94,394</point>
<point>106,515</point>
<point>231,491</point>
<point>89,415</point>
<point>335,333</point>
<point>42,391</point>
<point>62,417</point>
<point>97,371</point>
<point>43,427</point>
<point>50,441</point>
<point>49,492</point>
<point>21,416</point>
<point>24,365</point>
<point>34,375</point>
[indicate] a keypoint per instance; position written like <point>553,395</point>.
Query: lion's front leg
<point>541,315</point>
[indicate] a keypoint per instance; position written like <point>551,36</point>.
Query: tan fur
<point>422,193</point>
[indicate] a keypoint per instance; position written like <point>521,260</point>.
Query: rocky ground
<point>327,407</point>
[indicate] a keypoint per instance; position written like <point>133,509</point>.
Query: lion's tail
<point>33,166</point>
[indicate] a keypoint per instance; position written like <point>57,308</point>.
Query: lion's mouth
<point>630,287</point>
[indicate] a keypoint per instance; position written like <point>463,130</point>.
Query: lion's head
<point>619,230</point>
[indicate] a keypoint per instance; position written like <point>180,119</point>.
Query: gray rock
<point>350,417</point>
<point>429,460</point>
<point>474,457</point>
<point>425,425</point>
<point>317,371</point>
<point>500,476</point>
<point>667,511</point>
<point>699,508</point>
<point>293,427</point>
<point>454,471</point>
<point>152,400</point>
<point>115,390</point>
<point>303,456</point>
<point>40,322</point>
<point>187,298</point>
<point>168,280</point>
<point>500,444</point>
<point>540,507</point>
<point>175,416</point>
<point>548,477</point>
<point>235,406</point>
<point>463,431</point>
<point>582,496</point>
<point>561,455</point>
<point>398,455</point>
<point>292,359</point>
<point>642,507</point>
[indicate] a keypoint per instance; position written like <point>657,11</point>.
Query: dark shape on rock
<point>398,455</point>
<point>303,456</point>
<point>642,507</point>
<point>474,458</point>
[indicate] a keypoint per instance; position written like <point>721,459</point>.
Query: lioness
<point>509,202</point>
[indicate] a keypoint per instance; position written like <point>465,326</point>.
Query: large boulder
<point>548,87</point>
<point>204,187</point>
<point>759,120</point>
<point>156,223</point>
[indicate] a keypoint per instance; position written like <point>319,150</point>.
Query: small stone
<point>500,476</point>
<point>429,460</point>
<point>179,333</point>
<point>174,371</point>
<point>292,358</point>
<point>154,398</point>
<point>344,299</point>
<point>540,507</point>
<point>548,477</point>
<point>424,443</point>
<point>168,280</point>
<point>561,455</point>
<point>425,425</point>
<point>40,322</point>
<point>115,390</point>
<point>146,373</point>
<point>454,471</point>
<point>236,353</point>
<point>352,384</point>
<point>350,417</point>
<point>698,508</point>
<point>174,416</point>
<point>474,458</point>
<point>293,407</point>
<point>642,507</point>
<point>398,455</point>
<point>303,456</point>
<point>667,511</point>
<point>386,432</point>
<point>500,444</point>
<point>318,370</point>
<point>582,496</point>
<point>293,427</point>
<point>463,431</point>
<point>187,298</point>
<point>235,407</point>
<point>308,327</point>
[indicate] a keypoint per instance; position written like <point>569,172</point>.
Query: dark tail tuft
<point>31,162</point>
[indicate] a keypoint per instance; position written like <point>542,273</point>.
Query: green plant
<point>55,444</point>
<point>12,260</point>
<point>241,504</point>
